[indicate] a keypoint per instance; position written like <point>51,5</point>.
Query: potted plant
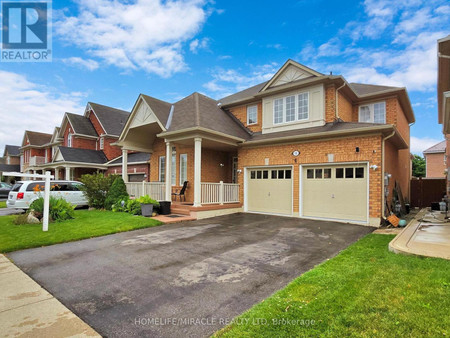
<point>147,204</point>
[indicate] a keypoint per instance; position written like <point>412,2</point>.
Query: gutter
<point>383,199</point>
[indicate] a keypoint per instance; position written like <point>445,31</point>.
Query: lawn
<point>85,225</point>
<point>2,204</point>
<point>364,291</point>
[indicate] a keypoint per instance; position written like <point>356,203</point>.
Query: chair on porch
<point>181,192</point>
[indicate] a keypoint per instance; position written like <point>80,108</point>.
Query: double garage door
<point>329,191</point>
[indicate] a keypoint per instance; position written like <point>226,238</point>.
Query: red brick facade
<point>435,165</point>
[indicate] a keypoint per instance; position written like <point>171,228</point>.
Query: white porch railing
<point>36,160</point>
<point>154,189</point>
<point>220,193</point>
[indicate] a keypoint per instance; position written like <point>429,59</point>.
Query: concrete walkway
<point>427,235</point>
<point>27,310</point>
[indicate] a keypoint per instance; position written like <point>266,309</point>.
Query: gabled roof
<point>159,107</point>
<point>132,158</point>
<point>197,110</point>
<point>112,120</point>
<point>82,155</point>
<point>12,150</point>
<point>81,125</point>
<point>437,148</point>
<point>36,138</point>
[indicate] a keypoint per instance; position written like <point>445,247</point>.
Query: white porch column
<point>34,173</point>
<point>56,174</point>
<point>168,171</point>
<point>67,173</point>
<point>125,165</point>
<point>198,172</point>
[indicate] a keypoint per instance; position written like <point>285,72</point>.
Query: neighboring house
<point>302,144</point>
<point>33,150</point>
<point>443,93</point>
<point>436,160</point>
<point>84,144</point>
<point>10,161</point>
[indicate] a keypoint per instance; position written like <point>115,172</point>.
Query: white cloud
<point>88,64</point>
<point>197,44</point>
<point>227,81</point>
<point>143,34</point>
<point>405,57</point>
<point>419,144</point>
<point>31,106</point>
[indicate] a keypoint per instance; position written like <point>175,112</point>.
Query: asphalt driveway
<point>186,279</point>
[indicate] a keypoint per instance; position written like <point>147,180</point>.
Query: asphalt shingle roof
<point>112,119</point>
<point>243,94</point>
<point>362,89</point>
<point>83,155</point>
<point>197,110</point>
<point>160,108</point>
<point>437,148</point>
<point>9,167</point>
<point>38,139</point>
<point>81,125</point>
<point>12,150</point>
<point>133,158</point>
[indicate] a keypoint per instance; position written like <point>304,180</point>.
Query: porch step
<point>180,210</point>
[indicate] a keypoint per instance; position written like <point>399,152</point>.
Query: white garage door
<point>269,190</point>
<point>336,192</point>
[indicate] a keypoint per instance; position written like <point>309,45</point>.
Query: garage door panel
<point>341,194</point>
<point>269,190</point>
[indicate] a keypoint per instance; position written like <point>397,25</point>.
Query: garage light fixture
<point>295,153</point>
<point>374,167</point>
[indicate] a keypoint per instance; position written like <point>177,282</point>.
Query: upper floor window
<point>373,113</point>
<point>291,108</point>
<point>252,115</point>
<point>69,140</point>
<point>102,143</point>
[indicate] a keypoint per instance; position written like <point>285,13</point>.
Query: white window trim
<point>296,119</point>
<point>69,140</point>
<point>161,168</point>
<point>173,168</point>
<point>181,171</point>
<point>256,119</point>
<point>102,143</point>
<point>372,111</point>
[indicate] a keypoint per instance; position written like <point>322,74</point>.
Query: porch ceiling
<point>141,137</point>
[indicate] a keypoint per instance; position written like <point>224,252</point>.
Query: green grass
<point>365,291</point>
<point>85,225</point>
<point>2,204</point>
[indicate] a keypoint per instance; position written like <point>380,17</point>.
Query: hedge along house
<point>302,144</point>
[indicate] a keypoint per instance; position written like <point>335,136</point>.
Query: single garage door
<point>269,190</point>
<point>337,192</point>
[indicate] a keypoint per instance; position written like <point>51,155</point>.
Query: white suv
<point>24,193</point>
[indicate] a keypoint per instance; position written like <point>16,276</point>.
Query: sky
<point>110,51</point>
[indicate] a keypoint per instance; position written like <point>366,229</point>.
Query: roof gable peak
<point>291,71</point>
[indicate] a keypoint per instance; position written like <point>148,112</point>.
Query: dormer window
<point>373,113</point>
<point>291,108</point>
<point>252,115</point>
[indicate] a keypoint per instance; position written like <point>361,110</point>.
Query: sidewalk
<point>27,310</point>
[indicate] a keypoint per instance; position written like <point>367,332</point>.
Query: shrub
<point>134,207</point>
<point>148,200</point>
<point>120,205</point>
<point>118,191</point>
<point>59,209</point>
<point>96,187</point>
<point>21,219</point>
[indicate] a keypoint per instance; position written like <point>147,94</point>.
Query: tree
<point>418,166</point>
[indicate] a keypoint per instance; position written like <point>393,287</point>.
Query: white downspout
<point>336,109</point>
<point>383,199</point>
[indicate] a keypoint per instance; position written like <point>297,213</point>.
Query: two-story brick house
<point>302,144</point>
<point>33,151</point>
<point>436,160</point>
<point>10,162</point>
<point>84,144</point>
